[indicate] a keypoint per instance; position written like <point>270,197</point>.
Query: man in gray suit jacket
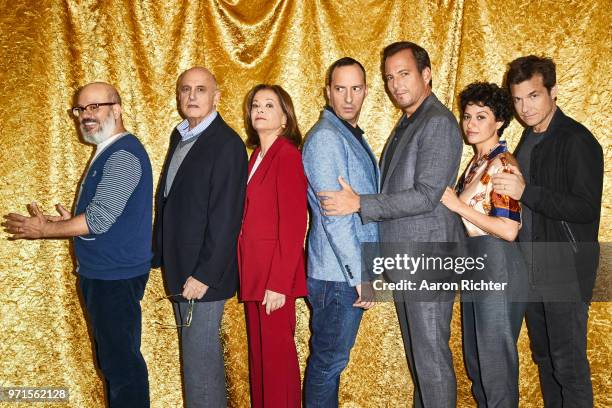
<point>337,292</point>
<point>420,160</point>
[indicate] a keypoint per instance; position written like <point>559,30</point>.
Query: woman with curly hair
<point>491,320</point>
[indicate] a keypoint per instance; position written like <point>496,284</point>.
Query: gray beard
<point>107,126</point>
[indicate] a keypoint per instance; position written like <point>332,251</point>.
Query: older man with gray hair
<point>199,214</point>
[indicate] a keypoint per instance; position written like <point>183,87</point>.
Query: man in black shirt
<point>421,159</point>
<point>337,294</point>
<point>560,188</point>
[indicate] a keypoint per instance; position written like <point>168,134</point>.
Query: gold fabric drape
<point>49,48</point>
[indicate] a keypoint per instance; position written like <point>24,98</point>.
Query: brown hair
<point>291,131</point>
<point>419,53</point>
<point>524,68</point>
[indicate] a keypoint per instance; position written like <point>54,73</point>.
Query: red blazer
<point>271,242</point>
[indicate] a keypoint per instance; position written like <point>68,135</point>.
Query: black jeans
<point>558,336</point>
<point>113,308</point>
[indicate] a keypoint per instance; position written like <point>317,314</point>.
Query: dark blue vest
<point>124,251</point>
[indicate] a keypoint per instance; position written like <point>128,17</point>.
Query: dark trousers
<point>558,336</point>
<point>113,308</point>
<point>490,332</point>
<point>492,322</point>
<point>425,328</point>
<point>335,322</point>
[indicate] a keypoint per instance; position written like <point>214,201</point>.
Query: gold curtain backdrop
<point>49,48</point>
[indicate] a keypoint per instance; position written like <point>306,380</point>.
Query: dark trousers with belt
<point>113,309</point>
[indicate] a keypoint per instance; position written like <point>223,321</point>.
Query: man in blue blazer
<point>421,158</point>
<point>336,291</point>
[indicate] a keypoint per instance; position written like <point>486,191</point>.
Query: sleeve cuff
<point>531,196</point>
<point>199,276</point>
<point>354,275</point>
<point>279,288</point>
<point>93,227</point>
<point>366,202</point>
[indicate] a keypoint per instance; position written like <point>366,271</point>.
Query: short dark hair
<point>524,68</point>
<point>420,54</point>
<point>343,62</point>
<point>492,96</point>
<point>291,131</point>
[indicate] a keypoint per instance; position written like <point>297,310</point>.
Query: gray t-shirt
<point>524,159</point>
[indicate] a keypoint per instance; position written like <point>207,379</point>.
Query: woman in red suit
<point>271,246</point>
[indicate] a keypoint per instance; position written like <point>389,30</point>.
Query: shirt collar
<point>553,123</point>
<point>407,120</point>
<point>355,130</point>
<point>100,147</point>
<point>500,147</point>
<point>186,133</point>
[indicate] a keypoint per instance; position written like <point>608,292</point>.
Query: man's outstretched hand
<point>39,225</point>
<point>23,227</point>
<point>341,202</point>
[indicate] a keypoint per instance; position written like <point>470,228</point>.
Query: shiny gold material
<point>49,48</point>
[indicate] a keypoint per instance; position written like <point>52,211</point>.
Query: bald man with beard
<point>199,206</point>
<point>111,227</point>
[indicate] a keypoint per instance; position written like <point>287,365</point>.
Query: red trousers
<point>273,362</point>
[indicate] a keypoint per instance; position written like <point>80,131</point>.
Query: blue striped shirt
<point>120,176</point>
<point>186,133</point>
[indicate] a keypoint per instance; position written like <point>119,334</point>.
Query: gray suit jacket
<point>425,162</point>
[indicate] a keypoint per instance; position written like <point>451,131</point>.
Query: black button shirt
<point>397,136</point>
<point>355,131</point>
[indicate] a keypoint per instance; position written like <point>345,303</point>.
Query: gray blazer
<point>334,243</point>
<point>425,162</point>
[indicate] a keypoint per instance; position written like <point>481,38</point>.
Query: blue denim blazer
<point>334,243</point>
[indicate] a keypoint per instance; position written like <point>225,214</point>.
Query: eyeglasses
<point>189,314</point>
<point>91,108</point>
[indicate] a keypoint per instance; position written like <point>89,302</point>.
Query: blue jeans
<point>334,328</point>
